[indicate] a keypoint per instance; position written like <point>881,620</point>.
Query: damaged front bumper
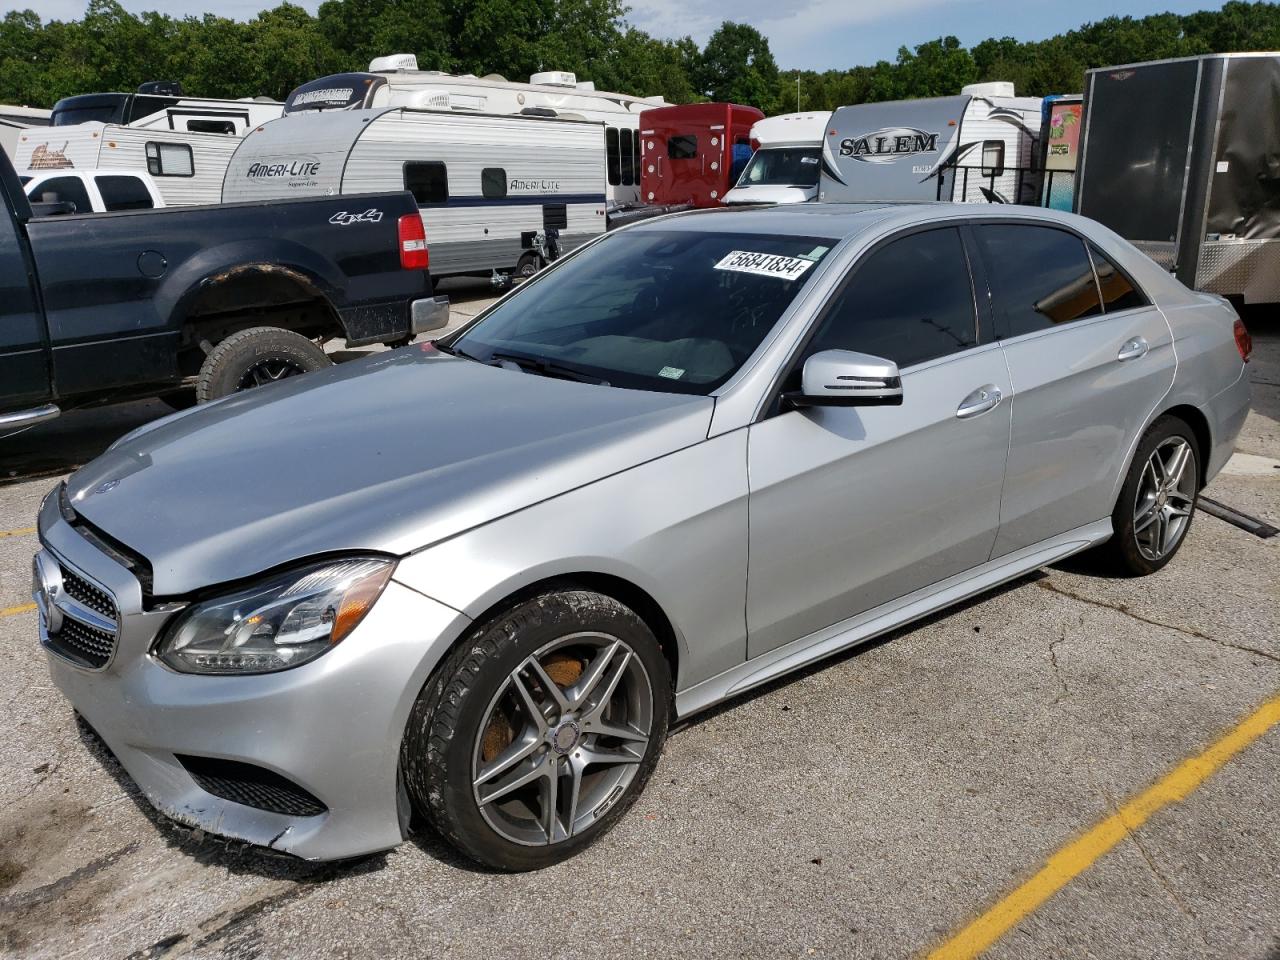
<point>325,736</point>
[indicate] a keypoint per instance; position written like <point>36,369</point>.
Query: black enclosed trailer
<point>1182,157</point>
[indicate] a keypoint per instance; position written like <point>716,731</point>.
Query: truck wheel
<point>528,265</point>
<point>254,357</point>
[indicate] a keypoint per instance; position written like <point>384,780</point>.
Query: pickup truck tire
<point>254,357</point>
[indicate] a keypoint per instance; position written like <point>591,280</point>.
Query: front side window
<point>683,146</point>
<point>124,193</point>
<point>493,182</point>
<point>428,181</point>
<point>1118,291</point>
<point>63,190</point>
<point>783,167</point>
<point>170,159</point>
<point>909,301</point>
<point>669,310</point>
<point>1040,277</point>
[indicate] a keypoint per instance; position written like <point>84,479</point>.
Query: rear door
<point>1089,358</point>
<point>852,507</point>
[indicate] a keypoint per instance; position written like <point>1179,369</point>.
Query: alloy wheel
<point>269,371</point>
<point>1165,498</point>
<point>562,739</point>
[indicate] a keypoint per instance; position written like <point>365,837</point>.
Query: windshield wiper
<point>547,368</point>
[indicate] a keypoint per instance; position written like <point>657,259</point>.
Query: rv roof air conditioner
<point>393,63</point>
<point>554,78</point>
<point>494,77</point>
<point>996,88</point>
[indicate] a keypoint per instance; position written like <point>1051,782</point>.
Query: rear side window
<point>613,157</point>
<point>428,181</point>
<point>908,302</point>
<point>683,146</point>
<point>493,182</point>
<point>64,190</point>
<point>628,163</point>
<point>170,159</point>
<point>1040,277</point>
<point>1118,291</point>
<point>124,193</point>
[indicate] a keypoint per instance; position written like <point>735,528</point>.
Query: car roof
<point>847,220</point>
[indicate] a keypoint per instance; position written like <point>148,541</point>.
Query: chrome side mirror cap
<point>845,378</point>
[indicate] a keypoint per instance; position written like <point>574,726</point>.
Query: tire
<point>528,264</point>
<point>253,357</point>
<point>1151,527</point>
<point>475,714</point>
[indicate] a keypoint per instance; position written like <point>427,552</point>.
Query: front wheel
<point>1157,501</point>
<point>538,732</point>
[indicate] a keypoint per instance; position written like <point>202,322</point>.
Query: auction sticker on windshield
<point>764,264</point>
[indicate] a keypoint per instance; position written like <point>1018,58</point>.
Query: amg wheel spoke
<point>552,688</point>
<point>1181,457</point>
<point>575,791</point>
<point>600,703</point>
<point>602,728</point>
<point>581,691</point>
<point>530,706</point>
<point>1146,519</point>
<point>550,799</point>
<point>507,759</point>
<point>597,756</point>
<point>515,782</point>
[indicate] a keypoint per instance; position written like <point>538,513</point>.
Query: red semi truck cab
<point>687,152</point>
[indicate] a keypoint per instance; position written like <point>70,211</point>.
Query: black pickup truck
<point>106,306</point>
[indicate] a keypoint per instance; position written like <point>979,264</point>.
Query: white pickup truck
<point>93,191</point>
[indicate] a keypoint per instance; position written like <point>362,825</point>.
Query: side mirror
<point>844,378</point>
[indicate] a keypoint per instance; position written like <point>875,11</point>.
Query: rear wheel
<point>1157,501</point>
<point>539,731</point>
<point>254,358</point>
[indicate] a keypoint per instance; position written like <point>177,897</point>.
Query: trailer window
<point>211,126</point>
<point>428,181</point>
<point>628,158</point>
<point>1040,277</point>
<point>170,160</point>
<point>124,193</point>
<point>993,158</point>
<point>63,190</point>
<point>493,182</point>
<point>635,155</point>
<point>1118,291</point>
<point>613,156</point>
<point>683,146</point>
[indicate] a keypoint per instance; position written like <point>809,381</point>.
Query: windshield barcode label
<point>764,264</point>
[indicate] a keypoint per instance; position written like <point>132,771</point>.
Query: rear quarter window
<point>124,193</point>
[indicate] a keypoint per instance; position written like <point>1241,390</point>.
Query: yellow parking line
<point>14,611</point>
<point>1078,856</point>
<point>20,532</point>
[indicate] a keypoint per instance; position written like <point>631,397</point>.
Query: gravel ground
<point>866,807</point>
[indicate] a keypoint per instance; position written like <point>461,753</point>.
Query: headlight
<point>279,623</point>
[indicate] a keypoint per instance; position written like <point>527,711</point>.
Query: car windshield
<point>676,311</point>
<point>69,116</point>
<point>783,167</point>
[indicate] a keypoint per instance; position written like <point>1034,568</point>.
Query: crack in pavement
<point>1057,668</point>
<point>51,891</point>
<point>1046,584</point>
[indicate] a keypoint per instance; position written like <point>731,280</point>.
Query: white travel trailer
<point>496,193</point>
<point>187,167</point>
<point>979,147</point>
<point>787,160</point>
<point>161,105</point>
<point>13,120</point>
<point>396,81</point>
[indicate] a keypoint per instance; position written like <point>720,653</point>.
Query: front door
<point>24,360</point>
<point>852,507</point>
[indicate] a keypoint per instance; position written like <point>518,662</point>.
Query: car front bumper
<point>332,727</point>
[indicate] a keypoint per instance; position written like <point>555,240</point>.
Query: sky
<point>814,34</point>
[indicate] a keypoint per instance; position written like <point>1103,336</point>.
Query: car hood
<point>388,454</point>
<point>769,193</point>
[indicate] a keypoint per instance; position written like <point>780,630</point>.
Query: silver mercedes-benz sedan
<point>476,580</point>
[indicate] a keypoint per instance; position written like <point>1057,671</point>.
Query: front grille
<point>83,644</point>
<point>96,599</point>
<point>252,786</point>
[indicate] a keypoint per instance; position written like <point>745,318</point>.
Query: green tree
<point>737,67</point>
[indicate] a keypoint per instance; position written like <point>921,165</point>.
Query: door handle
<point>1133,349</point>
<point>980,401</point>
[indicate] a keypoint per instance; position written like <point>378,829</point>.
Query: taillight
<point>413,243</point>
<point>1244,342</point>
